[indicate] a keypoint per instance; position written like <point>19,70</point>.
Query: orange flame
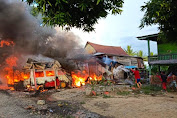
<point>96,78</point>
<point>79,78</point>
<point>12,74</point>
<point>7,43</point>
<point>50,73</point>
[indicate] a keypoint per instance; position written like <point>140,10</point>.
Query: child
<point>137,77</point>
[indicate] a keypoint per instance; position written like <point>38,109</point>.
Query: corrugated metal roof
<point>108,49</point>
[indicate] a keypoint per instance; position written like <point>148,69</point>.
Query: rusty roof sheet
<point>108,49</point>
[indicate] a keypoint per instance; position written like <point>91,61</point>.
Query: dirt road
<point>139,106</point>
<point>74,101</point>
<point>131,107</point>
<point>14,107</point>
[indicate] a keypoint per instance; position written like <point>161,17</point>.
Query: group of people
<point>164,78</point>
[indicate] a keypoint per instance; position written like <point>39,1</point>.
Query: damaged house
<point>113,53</point>
<point>49,74</point>
<point>95,61</point>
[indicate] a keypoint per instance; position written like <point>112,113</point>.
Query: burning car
<point>48,74</point>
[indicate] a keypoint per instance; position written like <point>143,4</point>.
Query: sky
<point>121,30</point>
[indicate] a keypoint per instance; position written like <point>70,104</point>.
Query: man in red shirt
<point>137,77</point>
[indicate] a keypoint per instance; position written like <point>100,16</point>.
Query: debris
<point>41,102</point>
<point>94,93</point>
<point>30,107</point>
<point>60,105</point>
<point>50,110</point>
<point>106,93</point>
<point>152,94</point>
<point>88,91</point>
<point>133,88</point>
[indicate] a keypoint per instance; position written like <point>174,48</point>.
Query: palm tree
<point>140,54</point>
<point>130,51</point>
<point>146,57</point>
<point>151,53</point>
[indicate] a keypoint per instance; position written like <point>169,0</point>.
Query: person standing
<point>164,81</point>
<point>110,69</point>
<point>173,83</point>
<point>137,77</point>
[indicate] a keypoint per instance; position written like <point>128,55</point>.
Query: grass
<point>106,96</point>
<point>82,102</point>
<point>123,93</point>
<point>150,89</point>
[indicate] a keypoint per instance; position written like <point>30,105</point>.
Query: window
<point>50,73</point>
<point>39,74</point>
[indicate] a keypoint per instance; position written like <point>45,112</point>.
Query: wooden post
<point>35,84</point>
<point>149,54</point>
<point>55,73</point>
<point>159,69</point>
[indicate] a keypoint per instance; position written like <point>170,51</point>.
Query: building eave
<point>152,37</point>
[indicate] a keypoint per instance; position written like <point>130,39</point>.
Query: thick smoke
<point>19,26</point>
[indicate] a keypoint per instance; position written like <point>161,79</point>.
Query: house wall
<point>89,49</point>
<point>129,61</point>
<point>124,60</point>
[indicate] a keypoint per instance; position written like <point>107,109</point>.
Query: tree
<point>130,51</point>
<point>76,13</point>
<point>151,53</point>
<point>140,53</point>
<point>163,13</point>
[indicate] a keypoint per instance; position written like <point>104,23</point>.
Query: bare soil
<point>74,103</point>
<point>129,106</point>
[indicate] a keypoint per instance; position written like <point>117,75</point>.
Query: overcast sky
<point>121,30</point>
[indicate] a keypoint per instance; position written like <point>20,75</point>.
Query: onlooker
<point>164,80</point>
<point>173,83</point>
<point>110,70</point>
<point>137,77</point>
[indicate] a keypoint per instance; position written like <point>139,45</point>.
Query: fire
<point>50,73</point>
<point>12,61</point>
<point>79,78</point>
<point>96,78</point>
<point>12,74</point>
<point>7,43</point>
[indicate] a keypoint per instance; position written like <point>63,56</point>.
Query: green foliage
<point>150,89</point>
<point>163,13</point>
<point>82,102</point>
<point>106,96</point>
<point>130,51</point>
<point>167,48</point>
<point>34,11</point>
<point>93,84</point>
<point>151,53</point>
<point>76,13</point>
<point>140,53</point>
<point>155,69</point>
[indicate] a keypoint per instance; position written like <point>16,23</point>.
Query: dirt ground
<point>130,106</point>
<point>73,103</point>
